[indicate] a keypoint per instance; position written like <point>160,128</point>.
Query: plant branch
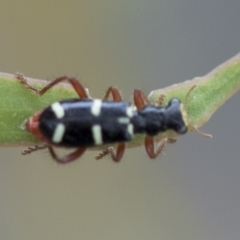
<point>18,103</point>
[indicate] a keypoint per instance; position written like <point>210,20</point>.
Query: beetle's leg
<point>115,94</point>
<point>102,154</point>
<point>171,140</point>
<point>73,81</point>
<point>160,100</point>
<point>33,149</point>
<point>149,145</point>
<point>23,80</point>
<point>140,99</point>
<point>116,156</point>
<point>68,158</point>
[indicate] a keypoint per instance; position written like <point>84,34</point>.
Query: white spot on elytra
<point>97,134</point>
<point>58,133</point>
<point>123,120</point>
<point>96,107</point>
<point>129,112</point>
<point>58,110</point>
<point>130,129</point>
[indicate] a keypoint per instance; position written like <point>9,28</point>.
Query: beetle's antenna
<point>191,126</point>
<point>188,93</point>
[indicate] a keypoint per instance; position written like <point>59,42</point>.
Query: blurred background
<point>191,191</point>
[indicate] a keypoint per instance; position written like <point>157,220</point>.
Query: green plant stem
<point>18,103</point>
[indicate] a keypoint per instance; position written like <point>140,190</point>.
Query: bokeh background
<point>193,190</point>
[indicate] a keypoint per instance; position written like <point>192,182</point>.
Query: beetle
<point>84,122</point>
